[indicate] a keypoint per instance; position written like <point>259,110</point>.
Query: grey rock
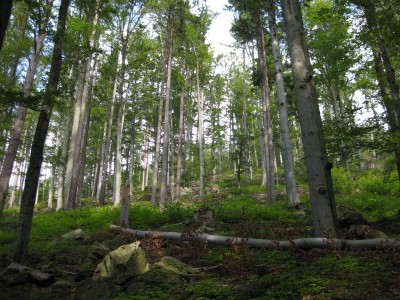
<point>127,260</point>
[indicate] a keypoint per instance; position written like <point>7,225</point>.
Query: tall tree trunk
<point>158,144</point>
<point>118,155</point>
<point>245,141</point>
<point>51,187</point>
<point>64,156</point>
<point>268,133</point>
<point>164,168</point>
<point>16,132</point>
<point>315,157</point>
<point>82,99</point>
<point>287,154</point>
<point>5,13</point>
<point>200,107</point>
<point>101,194</point>
<point>20,247</point>
<point>180,144</point>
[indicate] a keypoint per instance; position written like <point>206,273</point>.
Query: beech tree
<point>317,163</point>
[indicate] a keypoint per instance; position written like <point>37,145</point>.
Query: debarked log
<point>303,243</point>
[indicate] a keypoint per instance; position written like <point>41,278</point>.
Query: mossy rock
<point>175,266</point>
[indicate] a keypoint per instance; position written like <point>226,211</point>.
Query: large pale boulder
<point>127,260</point>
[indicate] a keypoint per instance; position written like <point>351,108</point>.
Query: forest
<point>136,162</point>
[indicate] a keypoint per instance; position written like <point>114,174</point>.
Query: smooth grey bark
<point>132,149</point>
<point>64,156</point>
<point>200,108</point>
<point>24,224</point>
<point>11,153</point>
<point>267,120</point>
<point>245,143</point>
<point>302,243</point>
<point>82,95</point>
<point>158,144</point>
<point>167,112</point>
<point>101,191</point>
<point>5,13</point>
<point>118,156</point>
<point>180,141</point>
<point>51,187</point>
<point>317,164</point>
<point>287,154</point>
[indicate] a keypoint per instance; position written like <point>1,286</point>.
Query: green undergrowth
<point>241,273</point>
<point>375,193</point>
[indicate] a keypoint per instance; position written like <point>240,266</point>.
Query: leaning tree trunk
<point>24,224</point>
<point>315,157</point>
<point>8,161</point>
<point>287,154</point>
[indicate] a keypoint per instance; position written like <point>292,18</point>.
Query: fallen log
<point>304,243</point>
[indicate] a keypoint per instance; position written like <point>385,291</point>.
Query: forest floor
<point>224,272</point>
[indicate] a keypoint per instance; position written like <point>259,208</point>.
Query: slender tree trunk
<point>101,195</point>
<point>287,154</point>
<point>164,168</point>
<point>268,134</point>
<point>132,157</point>
<point>118,155</point>
<point>16,132</point>
<point>20,247</point>
<point>64,156</point>
<point>180,145</point>
<point>158,145</point>
<point>200,105</point>
<point>244,132</point>
<point>51,187</point>
<point>316,161</point>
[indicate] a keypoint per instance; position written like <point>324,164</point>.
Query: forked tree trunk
<point>287,154</point>
<point>314,150</point>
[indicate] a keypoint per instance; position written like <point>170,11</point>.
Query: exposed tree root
<point>304,243</point>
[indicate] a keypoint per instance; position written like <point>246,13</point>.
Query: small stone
<point>77,234</point>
